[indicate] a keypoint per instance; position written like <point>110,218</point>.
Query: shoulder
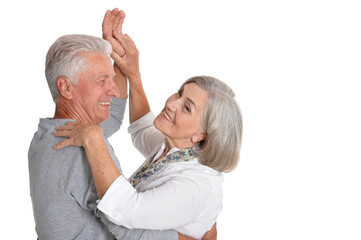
<point>144,122</point>
<point>194,173</point>
<point>42,155</point>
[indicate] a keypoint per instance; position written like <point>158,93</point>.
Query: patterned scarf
<point>149,168</point>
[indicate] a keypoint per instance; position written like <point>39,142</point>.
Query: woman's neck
<point>166,150</point>
<point>180,144</point>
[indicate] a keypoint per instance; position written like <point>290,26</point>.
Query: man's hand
<point>184,237</point>
<point>121,81</point>
<point>210,235</point>
<point>113,21</point>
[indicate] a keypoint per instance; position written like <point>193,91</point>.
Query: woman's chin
<point>156,123</point>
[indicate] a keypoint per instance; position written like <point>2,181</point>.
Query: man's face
<point>95,89</point>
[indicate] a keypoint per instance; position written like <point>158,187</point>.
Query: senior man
<point>81,80</point>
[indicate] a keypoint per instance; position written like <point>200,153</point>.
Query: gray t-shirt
<point>62,187</point>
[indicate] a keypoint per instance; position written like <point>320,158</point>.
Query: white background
<point>295,68</point>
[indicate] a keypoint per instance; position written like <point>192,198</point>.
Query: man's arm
<point>114,20</point>
<point>121,232</point>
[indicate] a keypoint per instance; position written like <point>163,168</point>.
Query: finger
<point>127,43</point>
<point>117,59</point>
<point>119,20</point>
<point>61,128</point>
<point>117,69</point>
<point>62,133</point>
<point>115,11</point>
<point>74,123</point>
<point>67,126</point>
<point>124,41</point>
<point>117,47</point>
<point>62,144</point>
<point>107,25</point>
<point>129,38</point>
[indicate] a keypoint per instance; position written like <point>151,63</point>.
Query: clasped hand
<point>125,53</point>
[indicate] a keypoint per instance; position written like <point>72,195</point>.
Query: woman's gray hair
<point>222,120</point>
<point>66,58</point>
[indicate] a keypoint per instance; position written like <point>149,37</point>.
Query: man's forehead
<point>99,62</point>
<point>97,67</point>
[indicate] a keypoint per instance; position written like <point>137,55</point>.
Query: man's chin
<point>103,118</point>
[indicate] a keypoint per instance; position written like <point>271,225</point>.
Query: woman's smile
<point>180,119</point>
<point>167,117</point>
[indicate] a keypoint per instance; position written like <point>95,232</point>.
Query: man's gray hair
<point>222,120</point>
<point>66,58</point>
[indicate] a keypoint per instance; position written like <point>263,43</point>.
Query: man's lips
<point>105,105</point>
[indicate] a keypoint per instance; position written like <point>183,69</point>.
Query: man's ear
<point>200,136</point>
<point>64,87</point>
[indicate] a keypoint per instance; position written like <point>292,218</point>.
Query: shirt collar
<point>161,150</point>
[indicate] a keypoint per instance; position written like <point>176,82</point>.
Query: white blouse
<point>184,196</point>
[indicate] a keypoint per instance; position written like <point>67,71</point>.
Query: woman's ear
<point>64,87</point>
<point>200,136</point>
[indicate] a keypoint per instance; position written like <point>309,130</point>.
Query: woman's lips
<point>167,117</point>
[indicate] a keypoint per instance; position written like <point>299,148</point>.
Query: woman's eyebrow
<point>191,101</point>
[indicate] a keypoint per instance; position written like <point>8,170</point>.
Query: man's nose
<point>113,89</point>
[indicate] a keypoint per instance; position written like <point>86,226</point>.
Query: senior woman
<point>195,138</point>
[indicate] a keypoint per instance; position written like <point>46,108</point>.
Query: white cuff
<point>115,200</point>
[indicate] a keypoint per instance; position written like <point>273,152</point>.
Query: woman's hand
<point>91,138</point>
<point>129,62</point>
<point>77,134</point>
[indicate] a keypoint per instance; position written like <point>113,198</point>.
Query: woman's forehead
<point>195,94</point>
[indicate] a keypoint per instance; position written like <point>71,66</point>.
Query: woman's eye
<point>180,93</point>
<point>188,109</point>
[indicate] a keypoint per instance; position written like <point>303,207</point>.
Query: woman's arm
<point>177,202</point>
<point>129,65</point>
<point>146,138</point>
<point>90,137</point>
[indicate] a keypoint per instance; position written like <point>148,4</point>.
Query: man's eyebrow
<point>105,75</point>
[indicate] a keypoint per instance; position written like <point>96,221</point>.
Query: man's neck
<point>65,110</point>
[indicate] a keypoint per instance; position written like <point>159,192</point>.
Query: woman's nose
<point>172,104</point>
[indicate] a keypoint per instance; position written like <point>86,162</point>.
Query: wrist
<point>93,137</point>
<point>134,76</point>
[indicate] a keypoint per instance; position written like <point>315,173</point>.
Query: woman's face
<point>180,120</point>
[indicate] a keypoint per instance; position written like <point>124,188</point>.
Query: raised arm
<point>126,56</point>
<point>113,21</point>
<point>129,65</point>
